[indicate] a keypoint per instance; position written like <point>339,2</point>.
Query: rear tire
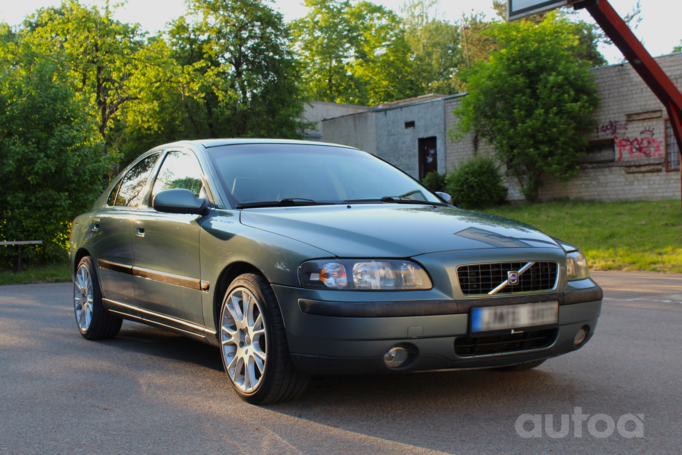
<point>254,346</point>
<point>93,320</point>
<point>522,366</point>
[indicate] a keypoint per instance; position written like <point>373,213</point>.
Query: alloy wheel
<point>243,339</point>
<point>82,298</point>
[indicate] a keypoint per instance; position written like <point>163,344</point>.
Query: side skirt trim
<point>203,331</point>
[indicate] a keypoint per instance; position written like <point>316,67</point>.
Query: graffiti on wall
<point>644,146</point>
<point>612,128</point>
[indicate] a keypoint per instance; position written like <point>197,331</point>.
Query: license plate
<point>493,318</point>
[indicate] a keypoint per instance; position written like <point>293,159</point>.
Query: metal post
<point>17,263</point>
<point>642,62</point>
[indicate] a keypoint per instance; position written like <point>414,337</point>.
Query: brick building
<point>632,153</point>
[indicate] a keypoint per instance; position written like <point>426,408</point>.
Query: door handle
<point>139,228</point>
<point>95,225</point>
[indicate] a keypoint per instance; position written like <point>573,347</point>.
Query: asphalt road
<point>152,392</point>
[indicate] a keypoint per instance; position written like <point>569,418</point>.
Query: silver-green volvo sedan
<point>299,258</point>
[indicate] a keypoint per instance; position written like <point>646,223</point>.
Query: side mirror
<point>445,196</point>
<point>180,201</point>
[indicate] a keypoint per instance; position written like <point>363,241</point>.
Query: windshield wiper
<point>396,200</point>
<point>288,202</point>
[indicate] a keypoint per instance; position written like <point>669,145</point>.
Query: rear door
<point>166,247</point>
<point>112,237</point>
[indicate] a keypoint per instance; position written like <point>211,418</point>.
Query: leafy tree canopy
<point>97,55</point>
<point>532,101</point>
<point>436,47</point>
<point>226,69</point>
<point>353,53</point>
<point>51,166</point>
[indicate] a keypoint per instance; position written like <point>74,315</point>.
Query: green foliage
<point>225,70</point>
<point>533,101</point>
<point>435,181</point>
<point>436,47</point>
<point>353,53</point>
<point>589,35</point>
<point>98,56</point>
<point>678,48</point>
<point>49,273</point>
<point>51,166</point>
<point>476,184</point>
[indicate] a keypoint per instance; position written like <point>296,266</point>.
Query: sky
<point>659,28</point>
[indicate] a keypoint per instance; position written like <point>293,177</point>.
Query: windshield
<point>253,173</point>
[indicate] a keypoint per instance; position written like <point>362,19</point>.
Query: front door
<point>428,156</point>
<point>166,245</point>
<point>112,241</point>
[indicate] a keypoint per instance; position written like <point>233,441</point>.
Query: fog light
<point>581,336</point>
<point>396,357</point>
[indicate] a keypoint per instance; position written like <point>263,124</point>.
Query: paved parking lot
<point>152,392</point>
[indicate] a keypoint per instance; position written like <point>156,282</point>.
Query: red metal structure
<point>653,75</point>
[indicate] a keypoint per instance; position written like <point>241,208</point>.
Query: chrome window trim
<point>154,275</point>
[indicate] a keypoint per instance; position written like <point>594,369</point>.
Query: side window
<point>179,170</point>
<point>131,193</point>
<point>112,196</point>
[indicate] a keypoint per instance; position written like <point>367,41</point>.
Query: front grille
<point>483,278</point>
<point>467,347</point>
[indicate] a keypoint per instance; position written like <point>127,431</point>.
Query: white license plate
<point>493,318</point>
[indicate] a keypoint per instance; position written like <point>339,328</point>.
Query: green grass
<point>51,273</point>
<point>644,236</point>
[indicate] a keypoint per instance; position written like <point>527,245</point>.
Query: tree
<point>224,70</point>
<point>589,35</point>
<point>678,48</point>
<point>436,47</point>
<point>353,53</point>
<point>533,101</point>
<point>51,166</point>
<point>97,55</point>
<point>384,68</point>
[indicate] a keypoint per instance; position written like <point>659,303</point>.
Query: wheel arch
<point>80,254</point>
<point>226,277</point>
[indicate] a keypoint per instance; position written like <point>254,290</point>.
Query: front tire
<point>94,321</point>
<point>254,346</point>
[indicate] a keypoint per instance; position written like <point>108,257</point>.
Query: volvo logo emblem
<point>513,278</point>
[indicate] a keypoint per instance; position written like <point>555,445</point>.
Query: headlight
<point>364,275</point>
<point>576,266</point>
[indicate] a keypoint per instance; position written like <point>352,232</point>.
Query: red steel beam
<point>640,59</point>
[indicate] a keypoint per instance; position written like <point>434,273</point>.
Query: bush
<point>435,181</point>
<point>476,184</point>
<point>51,166</point>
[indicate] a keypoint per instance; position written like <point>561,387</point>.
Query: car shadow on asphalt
<point>165,344</point>
<point>329,397</point>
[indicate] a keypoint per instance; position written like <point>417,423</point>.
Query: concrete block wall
<point>631,116</point>
<point>399,145</point>
<point>356,130</point>
<point>317,111</point>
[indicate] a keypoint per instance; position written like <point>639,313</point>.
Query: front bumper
<point>336,336</point>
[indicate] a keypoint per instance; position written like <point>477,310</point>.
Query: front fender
<point>225,241</point>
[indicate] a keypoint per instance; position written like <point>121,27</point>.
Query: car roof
<point>209,143</point>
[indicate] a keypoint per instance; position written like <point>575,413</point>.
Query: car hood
<point>385,231</point>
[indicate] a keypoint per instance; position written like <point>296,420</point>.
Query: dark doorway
<point>428,156</point>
